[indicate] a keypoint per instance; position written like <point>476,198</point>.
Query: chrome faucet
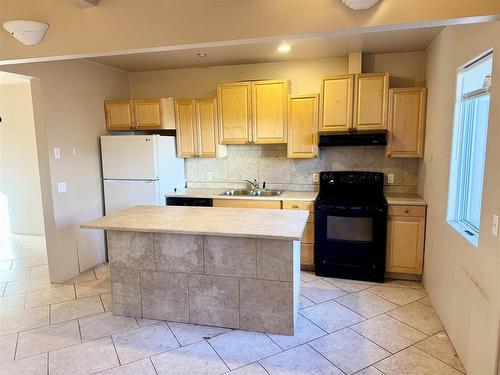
<point>254,184</point>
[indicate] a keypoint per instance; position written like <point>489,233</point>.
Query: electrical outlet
<point>494,226</point>
<point>61,187</point>
<point>57,153</point>
<point>390,178</point>
<point>315,177</point>
<point>209,176</point>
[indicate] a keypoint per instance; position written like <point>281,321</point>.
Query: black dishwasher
<point>189,201</point>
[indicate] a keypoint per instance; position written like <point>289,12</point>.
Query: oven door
<point>350,242</point>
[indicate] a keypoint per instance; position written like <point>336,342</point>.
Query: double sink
<point>252,193</point>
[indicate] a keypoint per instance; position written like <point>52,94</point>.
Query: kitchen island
<point>228,267</point>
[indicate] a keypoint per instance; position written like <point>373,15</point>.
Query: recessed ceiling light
<point>284,47</point>
<point>201,54</point>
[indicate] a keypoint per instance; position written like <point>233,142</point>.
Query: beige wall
<point>72,95</point>
<point>117,25</point>
<point>305,76</point>
<point>463,282</point>
<point>407,69</point>
<point>19,176</point>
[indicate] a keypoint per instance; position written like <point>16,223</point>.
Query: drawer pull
<point>407,211</point>
<point>295,206</point>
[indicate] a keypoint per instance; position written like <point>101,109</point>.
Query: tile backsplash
<point>269,163</point>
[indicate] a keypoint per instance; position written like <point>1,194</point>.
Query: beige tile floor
<point>344,327</point>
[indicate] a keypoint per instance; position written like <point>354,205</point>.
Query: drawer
<point>296,205</point>
<point>413,211</point>
<point>308,236</point>
<point>247,203</point>
<point>306,255</point>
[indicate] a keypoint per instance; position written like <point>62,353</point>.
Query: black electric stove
<point>351,226</point>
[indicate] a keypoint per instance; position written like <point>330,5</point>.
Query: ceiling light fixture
<point>29,33</point>
<point>284,48</point>
<point>201,54</point>
<point>360,4</point>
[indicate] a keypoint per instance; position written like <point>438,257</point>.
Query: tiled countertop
<point>307,196</point>
<point>405,199</point>
<point>209,221</point>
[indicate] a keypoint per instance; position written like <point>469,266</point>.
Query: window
<point>469,147</point>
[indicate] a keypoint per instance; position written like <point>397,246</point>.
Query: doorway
<point>23,252</point>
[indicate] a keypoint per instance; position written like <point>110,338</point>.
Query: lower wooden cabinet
<point>247,203</point>
<point>307,240</point>
<point>405,239</point>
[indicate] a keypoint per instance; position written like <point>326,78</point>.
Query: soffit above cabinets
<point>266,51</point>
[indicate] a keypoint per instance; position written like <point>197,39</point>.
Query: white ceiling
<point>265,51</point>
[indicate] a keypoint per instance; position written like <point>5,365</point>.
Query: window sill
<point>461,229</point>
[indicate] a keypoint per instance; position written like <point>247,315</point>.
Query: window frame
<point>458,199</point>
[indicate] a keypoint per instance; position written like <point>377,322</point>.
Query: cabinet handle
<point>295,206</point>
<point>407,211</point>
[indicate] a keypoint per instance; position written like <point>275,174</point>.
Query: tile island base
<point>231,282</point>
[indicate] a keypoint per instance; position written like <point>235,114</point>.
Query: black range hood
<point>373,138</point>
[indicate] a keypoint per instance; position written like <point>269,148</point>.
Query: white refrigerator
<point>139,170</point>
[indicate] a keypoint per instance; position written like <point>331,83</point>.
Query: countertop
<point>307,196</point>
<point>209,221</point>
<point>405,199</point>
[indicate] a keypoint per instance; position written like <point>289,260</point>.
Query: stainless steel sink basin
<point>267,193</point>
<point>253,193</point>
<point>243,192</point>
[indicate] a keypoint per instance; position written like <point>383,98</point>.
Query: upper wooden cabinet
<point>119,114</point>
<point>405,239</point>
<point>185,120</point>
<point>269,112</point>
<point>354,102</point>
<point>336,103</point>
<point>139,114</point>
<point>253,112</point>
<point>370,103</point>
<point>197,133</point>
<point>407,110</point>
<point>302,126</point>
<point>234,111</point>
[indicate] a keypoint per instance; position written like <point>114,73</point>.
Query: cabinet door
<point>206,118</point>
<point>336,103</point>
<point>302,126</point>
<point>370,104</point>
<point>269,113</point>
<point>119,114</point>
<point>247,203</point>
<point>148,114</point>
<point>406,122</point>
<point>234,112</point>
<point>185,122</point>
<point>405,244</point>
<point>307,240</point>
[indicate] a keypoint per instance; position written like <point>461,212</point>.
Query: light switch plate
<point>61,187</point>
<point>390,178</point>
<point>494,226</point>
<point>315,177</point>
<point>57,153</point>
